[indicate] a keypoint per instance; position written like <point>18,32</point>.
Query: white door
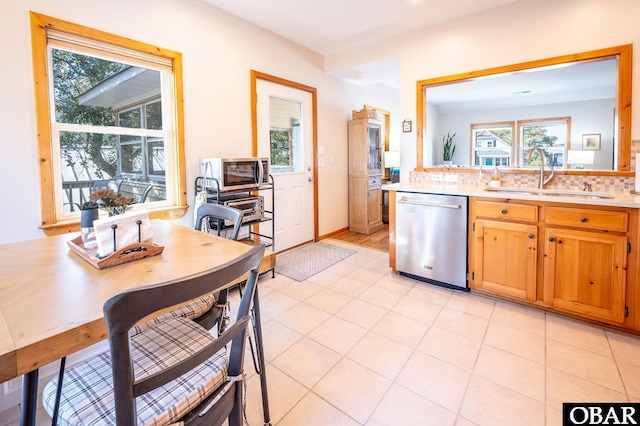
<point>285,134</point>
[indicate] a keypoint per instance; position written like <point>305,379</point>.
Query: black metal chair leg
<point>29,398</point>
<point>260,351</point>
<point>56,407</point>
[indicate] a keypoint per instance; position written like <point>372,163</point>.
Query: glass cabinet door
<point>375,153</point>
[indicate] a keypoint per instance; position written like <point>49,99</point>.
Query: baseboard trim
<point>331,234</point>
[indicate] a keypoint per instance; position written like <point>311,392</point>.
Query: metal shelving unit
<point>214,195</point>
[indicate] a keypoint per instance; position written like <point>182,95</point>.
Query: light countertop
<point>620,199</point>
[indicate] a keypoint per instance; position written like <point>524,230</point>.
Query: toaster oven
<point>252,208</point>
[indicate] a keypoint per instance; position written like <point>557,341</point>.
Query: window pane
<point>95,92</point>
<point>130,118</point>
<point>131,158</point>
<point>155,157</point>
<point>84,159</point>
<point>154,115</point>
<point>285,135</point>
<point>74,74</point>
<point>550,136</point>
<point>492,144</point>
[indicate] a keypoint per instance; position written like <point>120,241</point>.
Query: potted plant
<point>449,148</point>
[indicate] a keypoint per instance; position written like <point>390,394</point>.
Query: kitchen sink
<point>550,192</point>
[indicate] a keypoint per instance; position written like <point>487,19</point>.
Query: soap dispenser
<point>496,179</point>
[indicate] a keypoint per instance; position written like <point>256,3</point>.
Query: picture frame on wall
<point>591,142</point>
<point>406,126</point>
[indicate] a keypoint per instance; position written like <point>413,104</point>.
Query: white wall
<point>518,32</point>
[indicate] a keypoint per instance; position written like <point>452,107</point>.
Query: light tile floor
<point>359,345</point>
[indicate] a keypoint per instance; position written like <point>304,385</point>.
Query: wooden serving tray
<point>126,254</point>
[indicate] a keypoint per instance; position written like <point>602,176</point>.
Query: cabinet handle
<point>531,236</point>
<point>552,239</point>
<point>504,211</point>
<point>583,219</point>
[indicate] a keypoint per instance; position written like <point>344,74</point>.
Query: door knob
<point>552,239</point>
<point>310,178</point>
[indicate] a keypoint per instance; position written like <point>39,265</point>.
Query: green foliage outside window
<point>536,136</point>
<point>281,148</point>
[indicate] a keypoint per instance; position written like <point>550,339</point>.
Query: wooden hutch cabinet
<point>365,175</point>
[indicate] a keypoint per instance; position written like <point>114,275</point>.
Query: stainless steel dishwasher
<point>431,238</point>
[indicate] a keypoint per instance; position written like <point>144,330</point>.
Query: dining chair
<point>175,371</point>
<point>208,310</point>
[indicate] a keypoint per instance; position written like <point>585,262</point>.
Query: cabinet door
<point>374,206</point>
<point>585,273</point>
<point>505,257</point>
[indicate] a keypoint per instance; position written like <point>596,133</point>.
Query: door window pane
<point>281,148</point>
<point>285,136</point>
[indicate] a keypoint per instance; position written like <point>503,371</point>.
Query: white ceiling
<point>329,26</point>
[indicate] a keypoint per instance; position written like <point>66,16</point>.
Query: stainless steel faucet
<point>543,181</point>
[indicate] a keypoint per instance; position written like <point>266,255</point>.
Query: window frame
<point>40,24</point>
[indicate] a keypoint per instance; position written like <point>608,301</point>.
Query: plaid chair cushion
<point>87,390</point>
<point>191,310</point>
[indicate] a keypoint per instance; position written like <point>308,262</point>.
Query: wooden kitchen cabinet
<point>365,175</point>
<point>504,250</point>
<point>585,269</point>
<point>573,259</point>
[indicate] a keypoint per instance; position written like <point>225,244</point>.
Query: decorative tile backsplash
<point>575,182</point>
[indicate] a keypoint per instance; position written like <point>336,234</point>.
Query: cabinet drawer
<point>374,182</point>
<point>496,210</point>
<point>588,219</point>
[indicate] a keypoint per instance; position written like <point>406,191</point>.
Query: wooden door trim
<point>255,75</point>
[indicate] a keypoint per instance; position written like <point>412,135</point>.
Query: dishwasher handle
<point>404,200</point>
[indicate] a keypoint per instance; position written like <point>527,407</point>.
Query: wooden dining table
<point>51,299</point>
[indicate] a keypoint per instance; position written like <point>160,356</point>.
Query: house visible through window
<point>492,144</point>
<point>112,117</point>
